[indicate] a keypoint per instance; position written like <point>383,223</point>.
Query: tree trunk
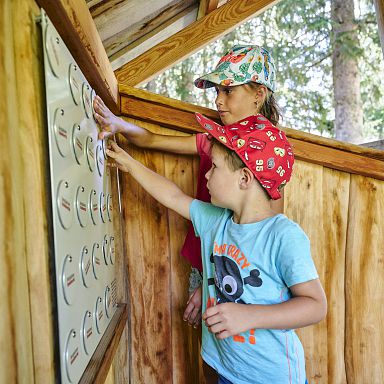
<point>346,76</point>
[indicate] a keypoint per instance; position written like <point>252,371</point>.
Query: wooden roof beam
<point>189,40</point>
<point>75,25</point>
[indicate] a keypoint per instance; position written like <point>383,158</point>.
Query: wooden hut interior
<point>336,195</point>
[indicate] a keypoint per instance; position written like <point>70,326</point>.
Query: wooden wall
<point>164,348</point>
<point>341,211</point>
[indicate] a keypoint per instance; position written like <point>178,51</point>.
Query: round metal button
<point>72,356</point>
<point>69,280</point>
<point>65,204</point>
<point>96,260</point>
<point>75,83</point>
<point>61,131</point>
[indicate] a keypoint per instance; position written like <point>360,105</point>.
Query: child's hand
<point>120,157</point>
<point>108,122</point>
<point>227,319</point>
<point>192,313</point>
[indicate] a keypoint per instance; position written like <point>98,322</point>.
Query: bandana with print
<point>263,148</point>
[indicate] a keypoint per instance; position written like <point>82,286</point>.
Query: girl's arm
<point>162,189</point>
<point>141,137</point>
<point>307,306</point>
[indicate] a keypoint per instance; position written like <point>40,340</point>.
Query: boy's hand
<point>120,157</point>
<point>108,122</point>
<point>192,313</point>
<point>227,319</point>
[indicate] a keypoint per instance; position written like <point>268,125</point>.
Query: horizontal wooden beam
<point>178,115</point>
<point>75,25</point>
<point>190,40</point>
<point>100,363</point>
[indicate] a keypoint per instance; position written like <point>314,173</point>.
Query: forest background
<point>329,61</point>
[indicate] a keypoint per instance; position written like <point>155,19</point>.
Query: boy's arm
<point>307,306</point>
<point>162,189</point>
<point>141,137</point>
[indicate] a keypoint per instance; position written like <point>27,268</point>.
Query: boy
<point>259,279</point>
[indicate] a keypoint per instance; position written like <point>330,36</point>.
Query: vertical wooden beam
<point>379,6</point>
<point>206,6</point>
<point>23,260</point>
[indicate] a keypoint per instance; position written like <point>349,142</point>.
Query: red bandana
<point>263,148</point>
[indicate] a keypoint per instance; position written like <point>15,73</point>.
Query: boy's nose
<point>208,174</point>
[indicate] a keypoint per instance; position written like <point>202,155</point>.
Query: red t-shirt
<point>192,249</point>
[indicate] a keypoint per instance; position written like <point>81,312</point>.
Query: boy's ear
<point>246,178</point>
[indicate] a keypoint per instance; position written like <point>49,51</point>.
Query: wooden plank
<point>185,348</point>
<point>304,205</point>
<point>29,356</point>
<point>121,367</point>
<point>364,349</point>
<point>146,18</point>
<point>190,40</point>
<point>347,157</point>
<point>156,36</point>
<point>335,159</point>
<point>147,240</point>
<point>98,367</point>
<point>74,23</point>
<point>379,7</point>
<point>15,332</point>
<point>134,93</point>
<point>333,232</point>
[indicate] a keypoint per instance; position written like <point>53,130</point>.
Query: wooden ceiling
<point>128,28</point>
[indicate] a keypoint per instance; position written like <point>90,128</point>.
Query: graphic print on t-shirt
<point>229,284</point>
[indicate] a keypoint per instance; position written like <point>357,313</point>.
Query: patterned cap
<point>241,65</point>
<point>263,148</point>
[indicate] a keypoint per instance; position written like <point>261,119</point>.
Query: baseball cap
<point>241,65</point>
<point>263,148</point>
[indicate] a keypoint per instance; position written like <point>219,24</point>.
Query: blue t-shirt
<point>252,264</point>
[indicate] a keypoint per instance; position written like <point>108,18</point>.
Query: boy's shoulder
<point>287,227</point>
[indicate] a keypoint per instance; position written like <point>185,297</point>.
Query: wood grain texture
<point>164,348</point>
<point>75,25</point>
<point>138,96</point>
<point>15,334</point>
<point>330,153</point>
<point>364,285</point>
<point>99,365</point>
<point>27,356</point>
<point>304,205</point>
<point>189,40</point>
<point>122,360</point>
<point>148,259</point>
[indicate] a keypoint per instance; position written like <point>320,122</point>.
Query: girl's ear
<point>246,178</point>
<point>261,92</point>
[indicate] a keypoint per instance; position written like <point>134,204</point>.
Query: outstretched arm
<point>162,189</point>
<point>307,306</point>
<point>139,136</point>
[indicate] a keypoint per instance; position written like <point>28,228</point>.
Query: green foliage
<point>299,35</point>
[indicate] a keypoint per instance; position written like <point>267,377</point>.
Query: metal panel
<point>84,253</point>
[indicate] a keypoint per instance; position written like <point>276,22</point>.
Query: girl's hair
<point>269,109</point>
